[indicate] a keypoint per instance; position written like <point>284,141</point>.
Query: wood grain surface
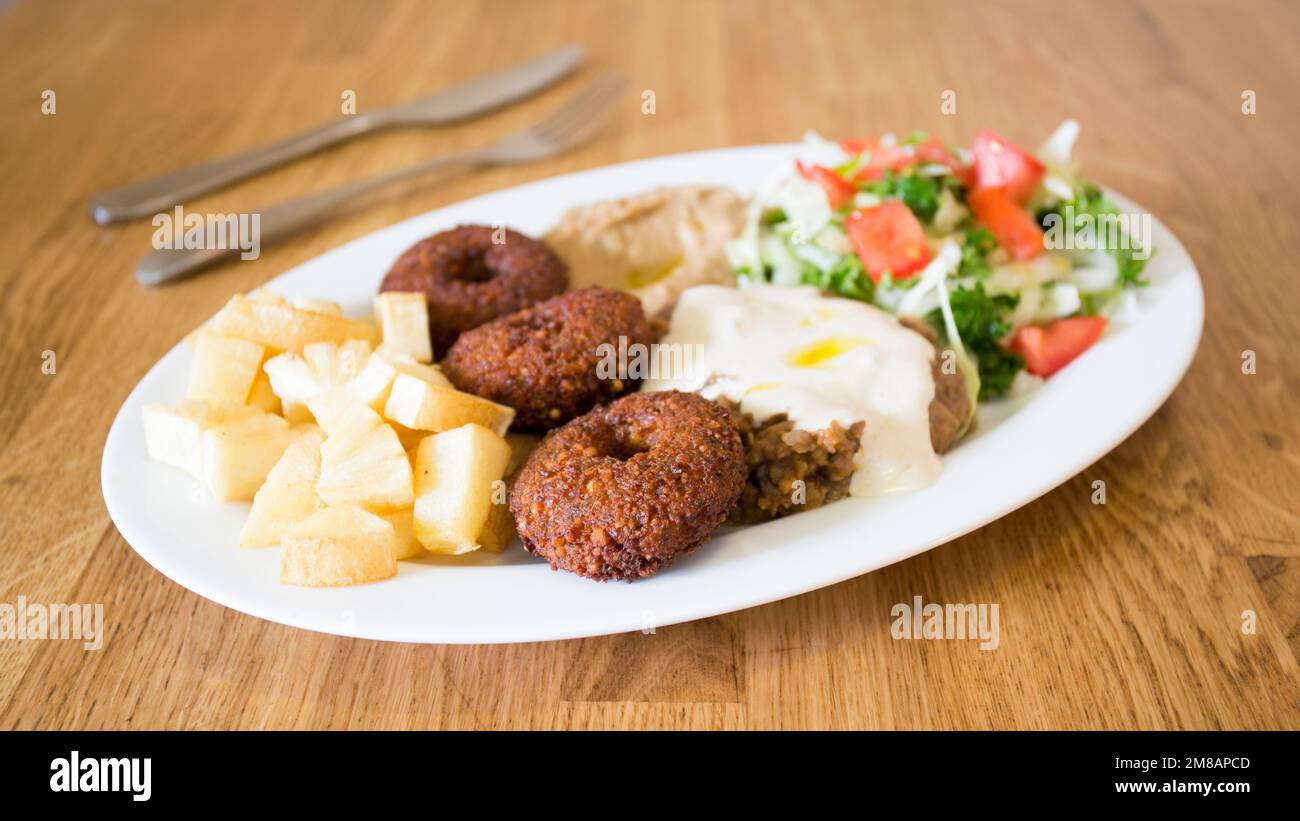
<point>1123,615</point>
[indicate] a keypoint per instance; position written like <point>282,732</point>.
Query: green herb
<point>920,194</point>
<point>1091,201</point>
<point>916,137</point>
<point>975,249</point>
<point>846,278</point>
<point>776,215</point>
<point>981,320</point>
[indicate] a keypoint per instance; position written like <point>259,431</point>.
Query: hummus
<point>653,245</point>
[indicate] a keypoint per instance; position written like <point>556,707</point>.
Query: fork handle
<point>282,219</point>
<point>154,195</point>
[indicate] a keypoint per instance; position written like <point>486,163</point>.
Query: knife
<point>450,105</point>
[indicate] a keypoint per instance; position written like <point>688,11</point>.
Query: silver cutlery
<point>571,124</point>
<point>450,105</point>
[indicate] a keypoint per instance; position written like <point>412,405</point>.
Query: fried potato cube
<point>404,363</point>
<point>405,545</point>
<point>174,436</point>
<point>456,475</point>
<point>289,494</point>
<point>372,386</point>
<point>262,397</point>
<point>423,406</point>
<point>224,368</point>
<point>363,463</point>
<point>498,530</point>
<point>238,455</point>
<point>266,296</point>
<point>320,306</point>
<point>285,328</point>
<point>298,378</point>
<point>337,546</point>
<point>404,321</point>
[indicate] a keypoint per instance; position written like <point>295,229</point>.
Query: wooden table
<point>1127,615</point>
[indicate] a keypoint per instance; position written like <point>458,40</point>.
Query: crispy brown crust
<point>624,490</point>
<point>778,455</point>
<point>469,280</point>
<point>544,361</point>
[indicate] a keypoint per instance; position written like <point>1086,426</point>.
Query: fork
<point>576,121</point>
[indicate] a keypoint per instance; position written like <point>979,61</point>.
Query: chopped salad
<point>999,249</point>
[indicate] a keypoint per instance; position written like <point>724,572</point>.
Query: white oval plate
<point>1020,452</point>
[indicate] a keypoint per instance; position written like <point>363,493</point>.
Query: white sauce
<point>816,359</point>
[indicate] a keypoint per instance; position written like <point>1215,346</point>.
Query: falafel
<point>622,491</point>
<point>545,361</point>
<point>473,274</point>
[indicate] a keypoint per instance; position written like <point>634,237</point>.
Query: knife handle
<point>159,193</point>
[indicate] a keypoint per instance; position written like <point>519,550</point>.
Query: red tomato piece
<point>888,238</point>
<point>1048,348</point>
<point>838,190</point>
<point>1015,230</point>
<point>1000,163</point>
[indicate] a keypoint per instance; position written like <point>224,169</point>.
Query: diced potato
<point>407,364</point>
<point>455,472</point>
<point>296,379</point>
<point>410,439</point>
<point>320,306</point>
<point>335,363</point>
<point>262,397</point>
<point>404,322</point>
<point>174,436</point>
<point>289,494</point>
<point>238,455</point>
<point>224,368</point>
<point>498,530</point>
<point>405,545</point>
<point>363,463</point>
<point>259,295</point>
<point>370,387</point>
<point>266,296</point>
<point>423,406</point>
<point>338,546</point>
<point>285,328</point>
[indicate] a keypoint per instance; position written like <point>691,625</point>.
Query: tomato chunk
<point>1000,163</point>
<point>838,190</point>
<point>1048,348</point>
<point>888,238</point>
<point>1015,230</point>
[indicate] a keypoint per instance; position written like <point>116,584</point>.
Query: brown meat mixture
<point>777,455</point>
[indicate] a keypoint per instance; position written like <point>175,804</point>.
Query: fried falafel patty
<point>469,279</point>
<point>546,361</point>
<point>624,490</point>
